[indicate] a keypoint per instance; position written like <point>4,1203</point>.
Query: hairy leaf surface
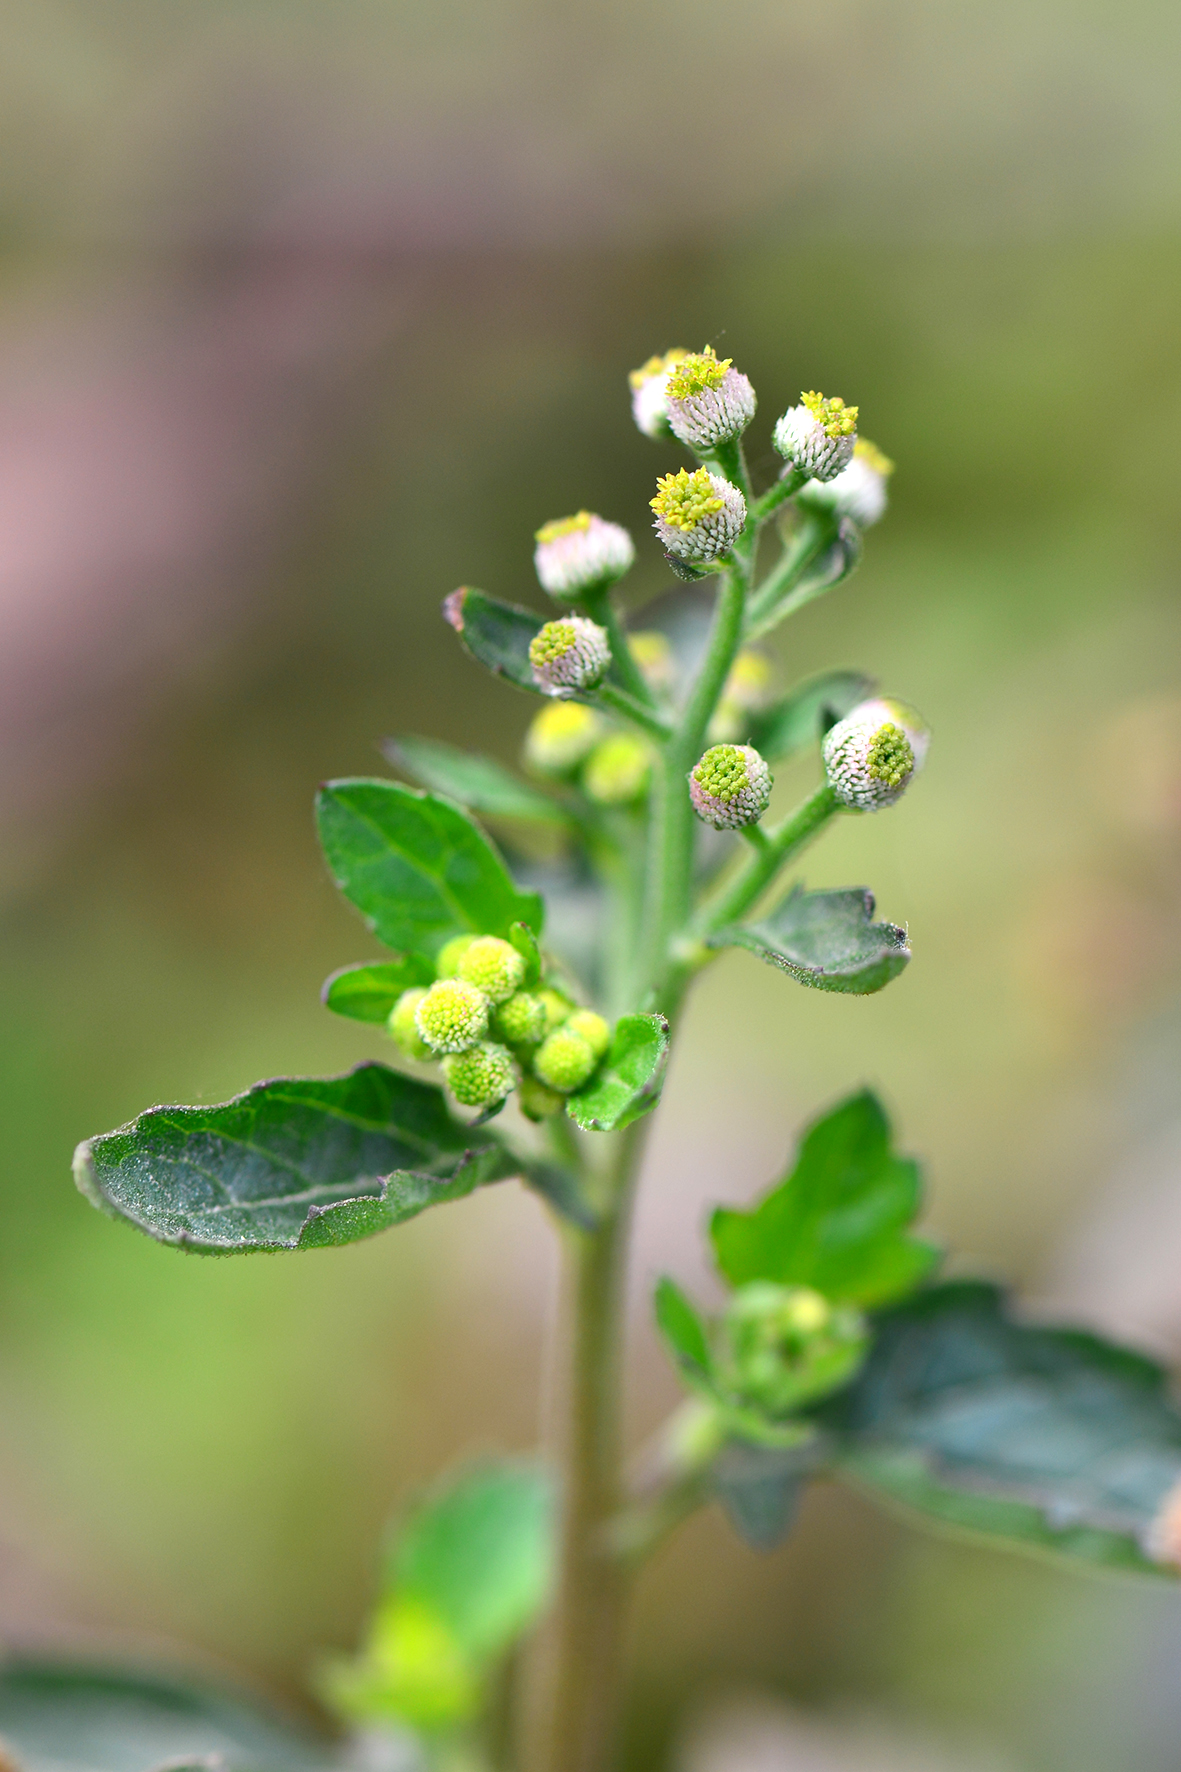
<point>626,1085</point>
<point>827,940</point>
<point>477,782</point>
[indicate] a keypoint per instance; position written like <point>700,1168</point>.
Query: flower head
<point>709,402</point>
<point>492,966</point>
<point>858,491</point>
<point>452,1015</point>
<point>699,516</point>
<point>450,954</point>
<point>818,435</point>
<point>564,1060</point>
<point>402,1027</point>
<point>730,786</point>
<point>649,393</point>
<point>569,655</point>
<point>583,553</point>
<point>787,1344</point>
<point>593,1029</point>
<point>561,737</point>
<point>480,1076</point>
<point>617,770</point>
<point>558,1008</point>
<point>871,755</point>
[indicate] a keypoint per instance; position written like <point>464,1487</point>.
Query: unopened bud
<point>493,967</point>
<point>818,435</point>
<point>520,1020</point>
<point>699,516</point>
<point>871,755</point>
<point>788,1344</point>
<point>747,688</point>
<point>569,655</point>
<point>858,491</point>
<point>480,1076</point>
<point>564,1061</point>
<point>709,402</point>
<point>558,1008</point>
<point>402,1027</point>
<point>649,393</point>
<point>450,954</point>
<point>452,1016</point>
<point>593,1029</point>
<point>617,771</point>
<point>561,737</point>
<point>578,554</point>
<point>730,786</point>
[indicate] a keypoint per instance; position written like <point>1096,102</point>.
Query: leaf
<point>839,1221</point>
<point>682,1329</point>
<point>298,1163</point>
<point>416,866</point>
<point>760,1487</point>
<point>497,634</point>
<point>1049,1438</point>
<point>803,717</point>
<point>59,1717</point>
<point>624,1087</point>
<point>525,942</point>
<point>478,783</point>
<point>368,991</point>
<point>827,940</point>
<point>835,562</point>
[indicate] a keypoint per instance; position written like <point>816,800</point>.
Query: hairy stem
<point>620,702</point>
<point>600,608</point>
<point>814,532</point>
<point>769,856</point>
<point>783,489</point>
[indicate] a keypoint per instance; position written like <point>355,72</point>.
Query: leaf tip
<point>453,608</point>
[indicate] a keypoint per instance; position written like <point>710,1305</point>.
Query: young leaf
<point>804,716</point>
<point>827,940</point>
<point>683,1330</point>
<point>839,1221</point>
<point>1048,1438</point>
<point>498,634</point>
<point>478,783</point>
<point>626,1084</point>
<point>368,991</point>
<point>760,1487</point>
<point>525,942</point>
<point>416,866</point>
<point>293,1164</point>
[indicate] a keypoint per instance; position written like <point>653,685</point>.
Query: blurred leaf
<point>295,1163</point>
<point>827,940</point>
<point>417,867</point>
<point>497,634</point>
<point>803,717</point>
<point>838,1222</point>
<point>525,942</point>
<point>683,1330</point>
<point>476,782</point>
<point>1050,1438</point>
<point>368,991</point>
<point>837,561</point>
<point>623,1088</point>
<point>61,1718</point>
<point>760,1487</point>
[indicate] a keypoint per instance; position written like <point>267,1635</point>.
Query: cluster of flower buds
<point>730,787</point>
<point>858,491</point>
<point>871,755</point>
<point>785,1345</point>
<point>569,742</point>
<point>818,436</point>
<point>569,656</point>
<point>493,1036</point>
<point>578,555</point>
<point>699,515</point>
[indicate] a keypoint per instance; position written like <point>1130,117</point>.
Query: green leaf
<point>58,1717</point>
<point>827,940</point>
<point>368,991</point>
<point>803,717</point>
<point>839,1221</point>
<point>837,561</point>
<point>683,1330</point>
<point>416,866</point>
<point>525,942</point>
<point>478,783</point>
<point>760,1487</point>
<point>626,1084</point>
<point>1050,1439</point>
<point>497,634</point>
<point>298,1163</point>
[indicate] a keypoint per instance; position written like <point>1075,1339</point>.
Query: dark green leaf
<point>416,866</point>
<point>1051,1439</point>
<point>525,942</point>
<point>476,782</point>
<point>804,716</point>
<point>626,1084</point>
<point>682,1329</point>
<point>368,991</point>
<point>839,1221</point>
<point>295,1163</point>
<point>760,1487</point>
<point>827,940</point>
<point>498,634</point>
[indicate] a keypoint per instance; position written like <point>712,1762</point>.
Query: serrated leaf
<point>682,1329</point>
<point>416,866</point>
<point>626,1084</point>
<point>369,990</point>
<point>839,1220</point>
<point>497,634</point>
<point>803,717</point>
<point>827,940</point>
<point>297,1163</point>
<point>479,783</point>
<point>760,1487</point>
<point>1051,1439</point>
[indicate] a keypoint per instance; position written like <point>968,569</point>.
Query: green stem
<point>811,536</point>
<point>620,702</point>
<point>730,461</point>
<point>779,494</point>
<point>781,844</point>
<point>600,608</point>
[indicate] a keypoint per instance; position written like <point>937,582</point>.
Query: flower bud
<point>649,393</point>
<point>402,1027</point>
<point>654,655</point>
<point>492,966</point>
<point>858,491</point>
<point>708,401</point>
<point>575,555</point>
<point>558,1008</point>
<point>520,1020</point>
<point>450,954</point>
<point>787,1344</point>
<point>817,435</point>
<point>564,1061</point>
<point>617,771</point>
<point>569,655</point>
<point>536,1101</point>
<point>870,755</point>
<point>452,1016</point>
<point>747,688</point>
<point>593,1029</point>
<point>480,1076</point>
<point>699,516</point>
<point>730,786</point>
<point>561,737</point>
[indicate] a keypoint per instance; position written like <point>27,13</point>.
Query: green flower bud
<point>652,652</point>
<point>403,1028</point>
<point>593,1029</point>
<point>786,1345</point>
<point>452,1016</point>
<point>520,1020</point>
<point>730,787</point>
<point>617,771</point>
<point>871,755</point>
<point>564,1060</point>
<point>569,655</point>
<point>450,954</point>
<point>493,966</point>
<point>536,1101</point>
<point>558,1009</point>
<point>561,737</point>
<point>481,1075</point>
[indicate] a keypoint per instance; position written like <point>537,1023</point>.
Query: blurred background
<point>309,312</point>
